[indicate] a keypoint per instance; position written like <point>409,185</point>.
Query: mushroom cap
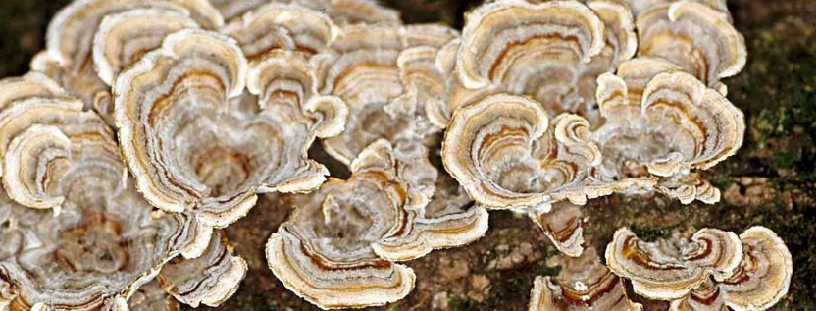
<point>209,279</point>
<point>694,36</point>
<point>107,240</point>
<point>278,26</point>
<point>504,152</point>
<point>68,58</point>
<point>583,283</point>
<point>563,225</point>
<point>338,248</point>
<point>194,143</point>
<point>670,268</point>
<point>663,122</point>
<point>379,71</point>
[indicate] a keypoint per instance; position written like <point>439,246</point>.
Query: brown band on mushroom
<point>670,268</point>
<point>583,283</point>
<point>695,37</point>
<point>209,279</point>
<point>689,187</point>
<point>641,6</point>
<point>506,155</point>
<point>234,9</point>
<point>278,26</point>
<point>563,225</point>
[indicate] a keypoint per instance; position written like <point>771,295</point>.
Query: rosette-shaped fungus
<point>506,154</point>
<point>285,27</point>
<point>552,51</point>
<point>694,36</point>
<point>338,248</point>
<point>761,280</point>
<point>367,71</point>
<point>209,279</point>
<point>663,122</point>
<point>107,240</point>
<point>583,283</point>
<point>670,268</point>
<point>71,44</point>
<point>193,146</point>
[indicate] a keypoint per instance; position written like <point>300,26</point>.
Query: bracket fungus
<point>70,43</point>
<point>709,271</point>
<point>662,122</point>
<point>694,36</point>
<point>338,248</point>
<point>551,51</point>
<point>209,279</point>
<point>583,283</point>
<point>504,151</point>
<point>762,279</point>
<point>564,226</point>
<point>670,268</point>
<point>376,71</point>
<point>285,27</point>
<point>103,240</point>
<point>191,148</point>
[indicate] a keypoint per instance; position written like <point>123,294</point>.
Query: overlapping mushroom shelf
<point>146,127</point>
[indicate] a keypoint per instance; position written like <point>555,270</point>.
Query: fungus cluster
<point>146,127</point>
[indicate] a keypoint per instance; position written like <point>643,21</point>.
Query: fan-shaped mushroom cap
<point>107,240</point>
<point>505,154</point>
<point>70,36</point>
<point>663,122</point>
<point>124,37</point>
<point>563,225</point>
<point>761,280</point>
<point>671,268</point>
<point>209,279</point>
<point>151,297</point>
<point>551,51</point>
<point>231,9</point>
<point>190,143</point>
<point>337,248</point>
<point>498,35</point>
<point>583,283</point>
<point>699,39</point>
<point>641,6</point>
<point>278,26</point>
<point>367,71</point>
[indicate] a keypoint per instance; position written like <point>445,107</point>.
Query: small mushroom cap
<point>670,269</point>
<point>497,34</point>
<point>505,154</point>
<point>764,275</point>
<point>695,37</point>
<point>762,279</point>
<point>583,283</point>
<point>209,279</point>
<point>68,58</point>
<point>563,225</point>
<point>277,26</point>
<point>125,37</point>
